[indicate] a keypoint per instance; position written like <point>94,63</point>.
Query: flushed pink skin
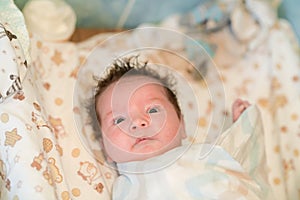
<point>151,125</point>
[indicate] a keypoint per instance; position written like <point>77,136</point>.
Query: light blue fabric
<point>106,13</point>
<point>289,9</point>
<point>183,174</point>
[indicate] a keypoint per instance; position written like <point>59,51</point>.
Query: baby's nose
<point>139,122</point>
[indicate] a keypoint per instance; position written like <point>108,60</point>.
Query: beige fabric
<point>52,20</point>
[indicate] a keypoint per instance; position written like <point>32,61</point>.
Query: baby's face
<point>137,119</point>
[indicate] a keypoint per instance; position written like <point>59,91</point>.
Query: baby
<point>142,130</point>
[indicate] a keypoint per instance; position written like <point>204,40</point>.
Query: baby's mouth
<point>139,140</point>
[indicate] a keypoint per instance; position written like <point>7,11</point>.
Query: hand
<point>238,107</point>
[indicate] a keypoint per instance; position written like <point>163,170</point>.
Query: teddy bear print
<point>88,171</point>
<point>37,161</point>
<point>37,118</point>
<point>99,187</point>
<point>52,174</point>
<point>59,129</point>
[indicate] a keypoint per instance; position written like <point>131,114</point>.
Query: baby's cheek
<point>120,140</point>
<point>113,149</point>
<point>173,134</point>
<point>158,121</point>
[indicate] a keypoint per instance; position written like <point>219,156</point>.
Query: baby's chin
<point>147,146</point>
<point>145,151</point>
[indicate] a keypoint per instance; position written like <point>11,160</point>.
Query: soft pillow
<point>14,46</point>
<point>9,75</point>
<point>36,148</point>
<point>24,168</point>
<point>12,17</point>
<point>55,67</point>
<point>27,153</point>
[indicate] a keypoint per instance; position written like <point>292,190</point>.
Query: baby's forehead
<point>128,87</point>
<point>135,83</point>
<point>138,80</point>
<point>132,89</point>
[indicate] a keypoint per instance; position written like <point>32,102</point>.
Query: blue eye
<point>119,120</point>
<point>153,110</point>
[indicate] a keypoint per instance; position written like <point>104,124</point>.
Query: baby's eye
<point>153,110</point>
<point>118,120</point>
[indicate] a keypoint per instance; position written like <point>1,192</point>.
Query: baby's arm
<point>238,108</point>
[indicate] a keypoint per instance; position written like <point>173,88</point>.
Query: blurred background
<point>111,15</point>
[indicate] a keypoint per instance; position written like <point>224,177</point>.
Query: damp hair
<point>129,66</point>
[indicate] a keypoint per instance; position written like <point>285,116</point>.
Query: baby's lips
<point>138,140</point>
